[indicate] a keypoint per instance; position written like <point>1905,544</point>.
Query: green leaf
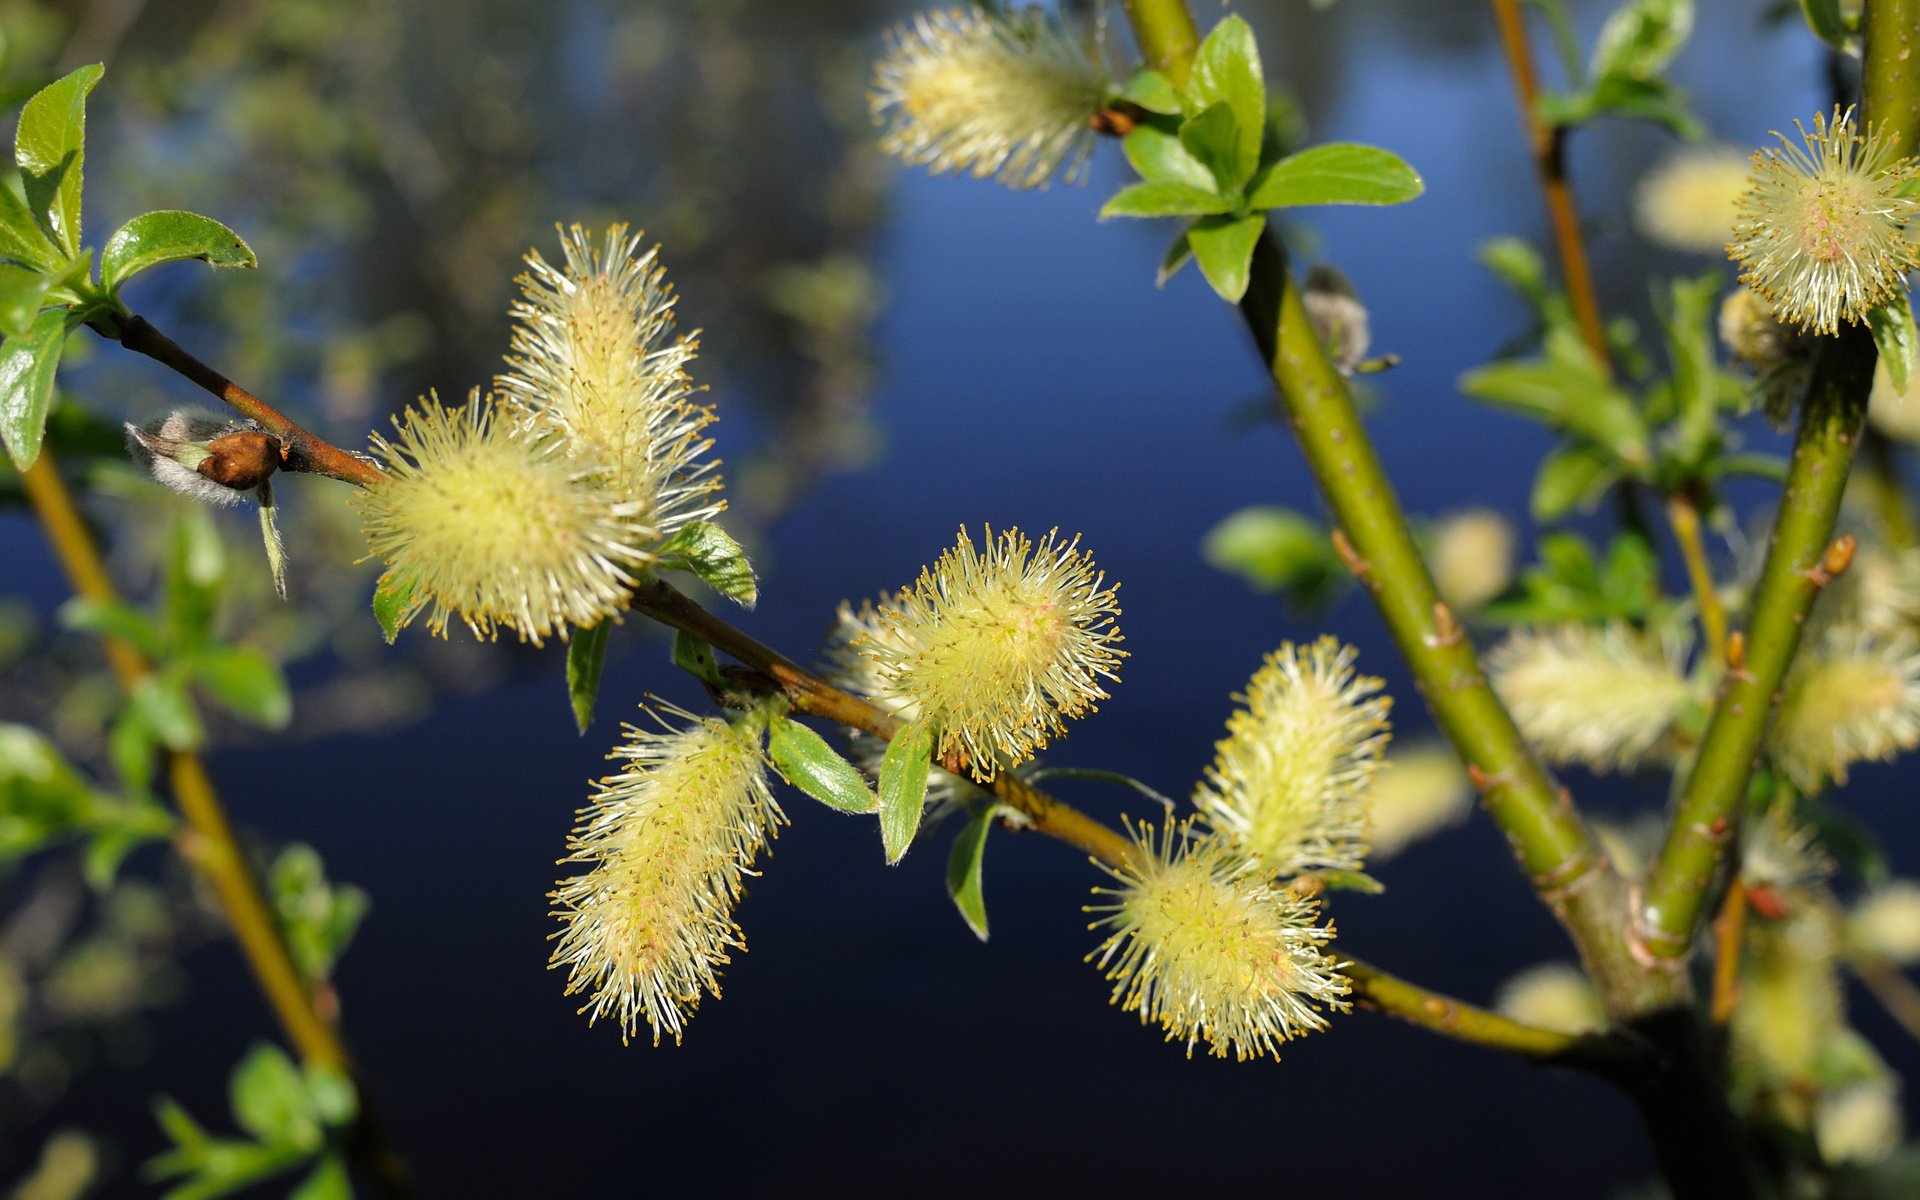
<point>963,872</point>
<point>113,619</point>
<point>1339,880</point>
<point>335,1101</point>
<point>170,236</point>
<point>1160,157</point>
<point>1892,325</point>
<point>27,366</point>
<point>1178,252</point>
<point>319,918</point>
<point>1094,773</point>
<point>1574,476</point>
<point>586,658</point>
<point>269,1100</point>
<point>1567,396</point>
<point>695,657</point>
<point>710,553</point>
<point>1695,379</point>
<point>165,708</point>
<point>1336,173</point>
<point>1226,70</point>
<point>21,238</point>
<point>1755,464</point>
<point>247,683</point>
<point>808,763</point>
<point>393,603</point>
<point>1223,246</point>
<point>131,744</point>
<point>22,293</point>
<point>51,148</point>
<point>327,1181</point>
<point>1213,140</point>
<point>1630,583</point>
<point>1517,265</point>
<point>1152,91</point>
<point>196,567</point>
<point>1276,550</point>
<point>903,787</point>
<point>1164,200</point>
<point>1641,37</point>
<point>1829,24</point>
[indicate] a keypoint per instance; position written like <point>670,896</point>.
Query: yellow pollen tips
<point>497,529</point>
<point>1006,94</point>
<point>1289,783</point>
<point>1821,228</point>
<point>1205,947</point>
<point>647,927</point>
<point>998,647</point>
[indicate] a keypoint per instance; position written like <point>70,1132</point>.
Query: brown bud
<point>243,459</point>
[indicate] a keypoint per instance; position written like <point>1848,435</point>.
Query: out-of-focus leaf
<point>964,872</point>
<point>247,683</point>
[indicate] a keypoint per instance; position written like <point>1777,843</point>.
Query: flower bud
<point>1337,316</point>
<point>205,455</point>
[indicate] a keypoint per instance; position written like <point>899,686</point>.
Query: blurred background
<point>892,356</point>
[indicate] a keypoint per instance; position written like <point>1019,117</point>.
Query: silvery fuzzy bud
<point>205,455</point>
<point>1337,315</point>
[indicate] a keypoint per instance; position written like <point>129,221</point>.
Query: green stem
<point>1798,566</point>
<point>1832,420</point>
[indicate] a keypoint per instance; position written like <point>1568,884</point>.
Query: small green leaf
<point>196,567</point>
<point>51,148</point>
<point>22,293</point>
<point>1152,91</point>
<point>319,918</point>
<point>335,1101</point>
<point>1756,464</point>
<point>170,236</point>
<point>1159,157</point>
<point>114,619</point>
<point>1566,395</point>
<point>21,238</point>
<point>1641,38</point>
<point>710,553</point>
<point>1164,200</point>
<point>1892,325</point>
<point>808,763</point>
<point>247,684</point>
<point>1630,582</point>
<point>963,872</point>
<point>903,787</point>
<point>1178,252</point>
<point>27,367</point>
<point>586,657</point>
<point>695,657</point>
<point>1695,380</point>
<point>131,744</point>
<point>1829,24</point>
<point>327,1181</point>
<point>1336,173</point>
<point>393,603</point>
<point>269,1100</point>
<point>166,709</point>
<point>1339,880</point>
<point>1226,70</point>
<point>1517,265</point>
<point>1213,140</point>
<point>1276,550</point>
<point>1574,476</point>
<point>1223,246</point>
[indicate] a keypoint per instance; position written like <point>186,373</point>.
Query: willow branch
<point>300,449</point>
<point>208,843</point>
<point>1601,1053</point>
<point>1548,143</point>
<point>1606,1054</point>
